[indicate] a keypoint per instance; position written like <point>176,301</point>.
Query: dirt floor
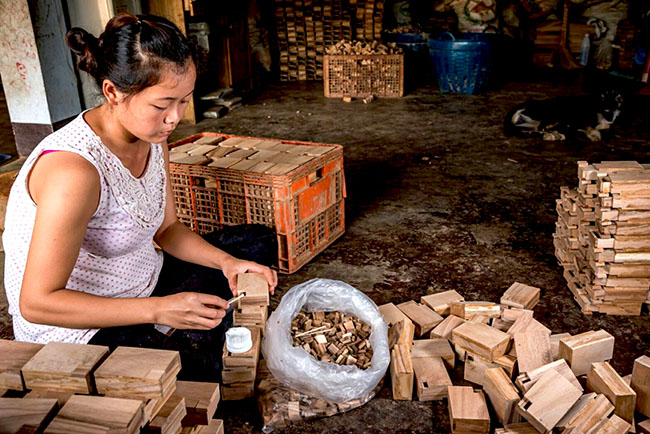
<point>438,198</point>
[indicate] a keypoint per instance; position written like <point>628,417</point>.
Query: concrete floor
<point>438,198</point>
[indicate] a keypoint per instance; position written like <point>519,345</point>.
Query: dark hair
<point>133,52</point>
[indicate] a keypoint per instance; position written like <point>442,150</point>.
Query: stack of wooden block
<point>305,29</point>
<point>63,388</point>
<point>240,370</point>
<point>602,237</point>
<point>533,380</point>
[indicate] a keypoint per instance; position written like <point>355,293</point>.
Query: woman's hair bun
<point>85,46</point>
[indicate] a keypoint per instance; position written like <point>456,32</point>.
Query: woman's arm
<point>178,240</point>
<point>66,189</point>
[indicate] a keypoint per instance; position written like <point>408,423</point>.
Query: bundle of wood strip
<point>359,47</point>
<point>602,237</point>
<point>333,337</point>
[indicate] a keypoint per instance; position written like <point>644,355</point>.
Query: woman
<point>93,197</point>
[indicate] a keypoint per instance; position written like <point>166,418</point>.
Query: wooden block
<point>242,164</point>
<point>548,400</point>
<point>428,348</point>
<point>180,158</point>
<point>215,427</point>
<point>533,350</point>
<point>555,344</point>
<point>401,373</point>
<point>475,367</point>
<point>424,318</point>
<point>640,383</point>
<point>168,420</point>
<point>281,168</point>
<point>503,395</point>
<point>512,314</point>
<point>431,378</point>
<point>615,425</point>
<point>526,380</point>
<point>14,356</point>
<point>138,373</point>
<point>501,324</point>
<point>18,415</point>
<point>249,358</point>
<point>256,288</point>
<point>581,350</point>
<point>644,427</point>
<point>63,367</point>
<point>444,329</point>
<point>439,302</point>
<point>218,152</point>
<point>481,339</point>
<point>224,162</point>
<point>469,309</point>
<point>392,314</point>
<point>237,391</point>
<point>517,428</point>
<point>201,150</point>
<point>468,412</point>
<point>201,401</point>
<point>242,153</point>
<point>602,378</point>
<point>401,333</point>
<point>61,397</point>
<point>589,412</point>
<point>237,375</point>
<point>526,323</point>
<point>83,414</point>
<point>521,296</point>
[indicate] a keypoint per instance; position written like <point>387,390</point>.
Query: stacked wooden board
<point>66,388</point>
<point>306,27</point>
<point>527,378</point>
<point>602,237</point>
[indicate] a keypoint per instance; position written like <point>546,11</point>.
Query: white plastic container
<point>238,340</point>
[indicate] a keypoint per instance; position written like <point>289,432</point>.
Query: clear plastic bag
<point>296,368</point>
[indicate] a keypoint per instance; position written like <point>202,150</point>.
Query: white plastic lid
<point>238,340</point>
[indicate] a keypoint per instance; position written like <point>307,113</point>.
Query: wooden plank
<point>481,339</point>
<point>201,401</point>
<point>470,309</point>
<point>502,395</point>
<point>14,356</point>
<point>401,333</point>
<point>468,410</point>
<point>84,413</point>
<point>26,415</point>
<point>583,349</point>
<point>138,372</point>
<point>392,314</point>
<point>168,420</point>
<point>533,350</point>
<point>439,302</point>
<point>63,367</point>
<point>602,378</point>
<point>428,348</point>
<point>444,329</point>
<point>401,373</point>
<point>521,296</point>
<point>431,378</point>
<point>526,380</point>
<point>640,383</point>
<point>424,318</point>
<point>548,400</point>
<point>256,288</point>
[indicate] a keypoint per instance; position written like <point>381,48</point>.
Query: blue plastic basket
<point>461,65</point>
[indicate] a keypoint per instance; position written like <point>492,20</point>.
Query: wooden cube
<point>392,314</point>
<point>168,419</point>
<point>25,415</point>
<point>201,401</point>
<point>468,412</point>
<point>526,380</point>
<point>481,339</point>
<point>475,367</point>
<point>138,373</point>
<point>428,348</point>
<point>247,359</point>
<point>526,323</point>
<point>640,383</point>
<point>83,413</point>
<point>444,329</point>
<point>548,400</point>
<point>63,367</point>
<point>237,391</point>
<point>602,378</point>
<point>587,414</point>
<point>555,344</point>
<point>615,425</point>
<point>521,296</point>
<point>424,318</point>
<point>256,288</point>
<point>14,356</point>
<point>581,350</point>
<point>440,302</point>
<point>401,373</point>
<point>502,394</point>
<point>470,309</point>
<point>401,333</point>
<point>431,378</point>
<point>533,350</point>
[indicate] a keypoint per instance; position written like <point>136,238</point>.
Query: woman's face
<point>153,113</point>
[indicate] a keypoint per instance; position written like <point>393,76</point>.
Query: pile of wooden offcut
<point>602,237</point>
<point>240,370</point>
<point>333,337</point>
<point>63,388</point>
<point>533,380</point>
<point>353,48</point>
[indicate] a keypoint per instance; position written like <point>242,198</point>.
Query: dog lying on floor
<point>565,116</point>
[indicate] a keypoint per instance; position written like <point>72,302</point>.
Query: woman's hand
<point>232,266</point>
<point>191,310</point>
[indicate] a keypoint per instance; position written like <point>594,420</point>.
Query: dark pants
<point>200,350</point>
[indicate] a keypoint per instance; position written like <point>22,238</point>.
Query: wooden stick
<point>316,330</point>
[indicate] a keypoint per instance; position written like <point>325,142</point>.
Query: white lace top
<point>117,256</point>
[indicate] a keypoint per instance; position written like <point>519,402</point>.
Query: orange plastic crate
<point>305,206</point>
